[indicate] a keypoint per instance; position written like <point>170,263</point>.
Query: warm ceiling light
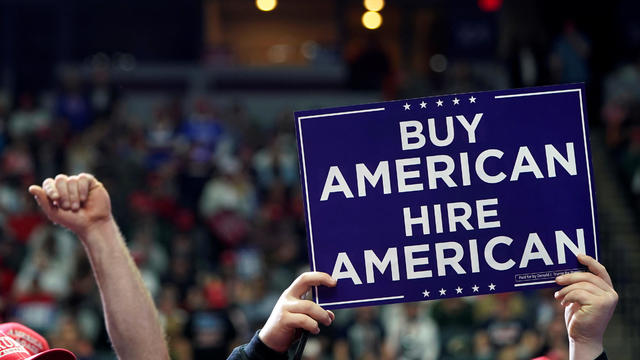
<point>266,5</point>
<point>374,5</point>
<point>371,20</point>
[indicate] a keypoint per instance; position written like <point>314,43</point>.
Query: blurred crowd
<point>621,116</point>
<point>211,208</point>
<point>210,204</point>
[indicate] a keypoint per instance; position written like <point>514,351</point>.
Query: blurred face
<point>503,310</point>
<point>168,299</point>
<point>411,310</point>
<point>365,314</point>
<point>41,260</point>
<point>195,298</point>
<point>68,331</point>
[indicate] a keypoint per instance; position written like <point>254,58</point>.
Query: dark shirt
<point>256,350</point>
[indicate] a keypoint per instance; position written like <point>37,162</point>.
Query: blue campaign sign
<point>447,196</point>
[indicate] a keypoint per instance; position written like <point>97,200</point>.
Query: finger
<point>72,188</point>
<point>61,187</point>
<point>311,309</point>
<point>587,286</point>
<point>90,179</point>
<point>577,296</point>
<point>576,277</point>
<point>49,186</point>
<point>595,267</point>
<point>332,315</point>
<point>83,188</point>
<point>300,321</point>
<point>302,284</point>
<point>41,198</point>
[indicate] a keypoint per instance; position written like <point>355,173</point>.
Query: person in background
<point>81,204</point>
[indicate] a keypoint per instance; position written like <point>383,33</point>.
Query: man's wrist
<point>98,231</point>
<point>585,350</point>
<point>267,342</point>
<point>257,346</point>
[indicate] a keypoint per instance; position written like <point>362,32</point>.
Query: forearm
<point>130,315</point>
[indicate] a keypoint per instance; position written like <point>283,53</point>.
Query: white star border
<point>459,290</point>
<point>439,103</point>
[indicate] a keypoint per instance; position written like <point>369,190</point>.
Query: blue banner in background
<point>447,196</point>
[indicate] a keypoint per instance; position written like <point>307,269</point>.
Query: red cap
<point>18,342</point>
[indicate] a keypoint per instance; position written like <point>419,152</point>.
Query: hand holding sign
<point>589,300</point>
<point>292,313</point>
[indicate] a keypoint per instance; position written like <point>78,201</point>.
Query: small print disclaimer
<point>542,276</point>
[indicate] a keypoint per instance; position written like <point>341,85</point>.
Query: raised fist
<point>77,202</point>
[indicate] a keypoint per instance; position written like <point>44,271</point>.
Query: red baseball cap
<point>18,342</point>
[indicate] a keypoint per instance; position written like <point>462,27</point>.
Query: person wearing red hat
<point>81,204</point>
<point>11,348</point>
<point>33,342</point>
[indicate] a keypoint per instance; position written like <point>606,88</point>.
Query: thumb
<point>41,198</point>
